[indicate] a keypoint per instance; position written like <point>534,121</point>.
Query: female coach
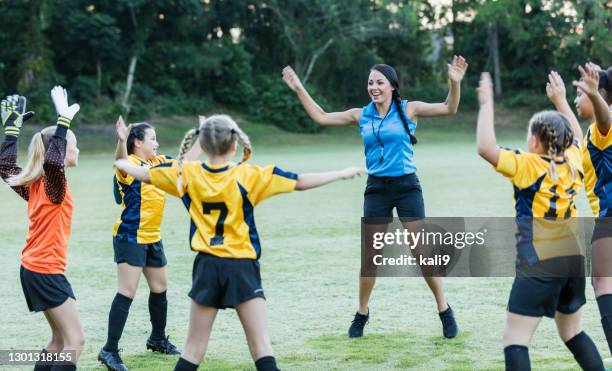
<point>387,125</point>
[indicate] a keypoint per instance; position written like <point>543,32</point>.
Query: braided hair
<point>188,141</point>
<point>216,136</point>
<point>391,75</point>
<point>553,130</point>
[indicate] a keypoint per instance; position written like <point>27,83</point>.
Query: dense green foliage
<point>200,55</point>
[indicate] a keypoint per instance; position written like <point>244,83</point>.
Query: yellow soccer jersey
<point>541,203</point>
<point>220,201</point>
<point>597,163</point>
<point>142,205</point>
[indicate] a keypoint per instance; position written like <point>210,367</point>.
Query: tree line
<point>179,57</point>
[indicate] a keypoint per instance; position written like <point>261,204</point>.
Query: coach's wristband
<point>63,121</point>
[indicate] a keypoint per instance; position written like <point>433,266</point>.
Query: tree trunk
<point>128,84</point>
<point>98,80</point>
<point>313,59</point>
<point>494,55</point>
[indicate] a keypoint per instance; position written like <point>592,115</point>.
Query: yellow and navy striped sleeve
<point>162,159</point>
<point>574,156</point>
<point>597,163</point>
<point>519,167</point>
<point>263,183</point>
<point>165,176</point>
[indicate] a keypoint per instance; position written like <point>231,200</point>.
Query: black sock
<point>116,321</point>
<point>42,365</point>
<point>184,365</point>
<point>585,352</point>
<point>604,303</point>
<point>267,363</point>
<point>517,358</point>
<point>158,310</point>
<point>64,367</point>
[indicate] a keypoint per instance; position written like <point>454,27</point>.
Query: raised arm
<point>555,89</point>
<point>13,116</point>
<point>316,113</point>
<point>123,132</point>
<point>196,150</point>
<point>456,72</point>
<point>588,84</point>
<point>485,132</point>
<point>138,172</point>
<point>314,180</point>
<point>55,176</point>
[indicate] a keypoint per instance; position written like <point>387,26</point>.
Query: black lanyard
<point>377,134</point>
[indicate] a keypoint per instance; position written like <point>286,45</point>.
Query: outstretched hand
<point>59,95</point>
<point>123,131</point>
<point>351,172</point>
<point>291,79</point>
<point>485,89</point>
<point>457,68</point>
<point>555,88</point>
<point>14,114</point>
<point>589,79</point>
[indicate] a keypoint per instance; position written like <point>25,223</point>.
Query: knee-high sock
<point>116,321</point>
<point>267,363</point>
<point>604,302</point>
<point>517,358</point>
<point>184,365</point>
<point>158,310</point>
<point>585,352</point>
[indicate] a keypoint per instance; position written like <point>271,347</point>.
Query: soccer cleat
<point>111,360</point>
<point>359,322</point>
<point>449,325</point>
<point>162,346</point>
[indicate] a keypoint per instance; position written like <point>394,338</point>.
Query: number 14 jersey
<point>221,200</point>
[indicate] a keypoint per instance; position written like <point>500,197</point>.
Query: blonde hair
<point>216,136</point>
<point>36,159</point>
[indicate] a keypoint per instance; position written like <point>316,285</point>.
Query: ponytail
<point>188,141</point>
<point>36,159</point>
<point>244,142</point>
<point>552,151</point>
<point>402,113</point>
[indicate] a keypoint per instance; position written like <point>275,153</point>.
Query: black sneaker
<point>111,360</point>
<point>359,322</point>
<point>449,325</point>
<point>162,346</point>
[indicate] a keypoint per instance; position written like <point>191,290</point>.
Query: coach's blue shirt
<point>398,153</point>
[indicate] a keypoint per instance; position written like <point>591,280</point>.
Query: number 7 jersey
<point>221,201</point>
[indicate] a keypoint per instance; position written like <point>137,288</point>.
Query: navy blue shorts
<point>603,229</point>
<point>383,194</point>
<point>223,282</point>
<point>543,289</point>
<point>44,291</point>
<point>139,255</point>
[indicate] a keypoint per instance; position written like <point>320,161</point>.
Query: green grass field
<point>310,263</point>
